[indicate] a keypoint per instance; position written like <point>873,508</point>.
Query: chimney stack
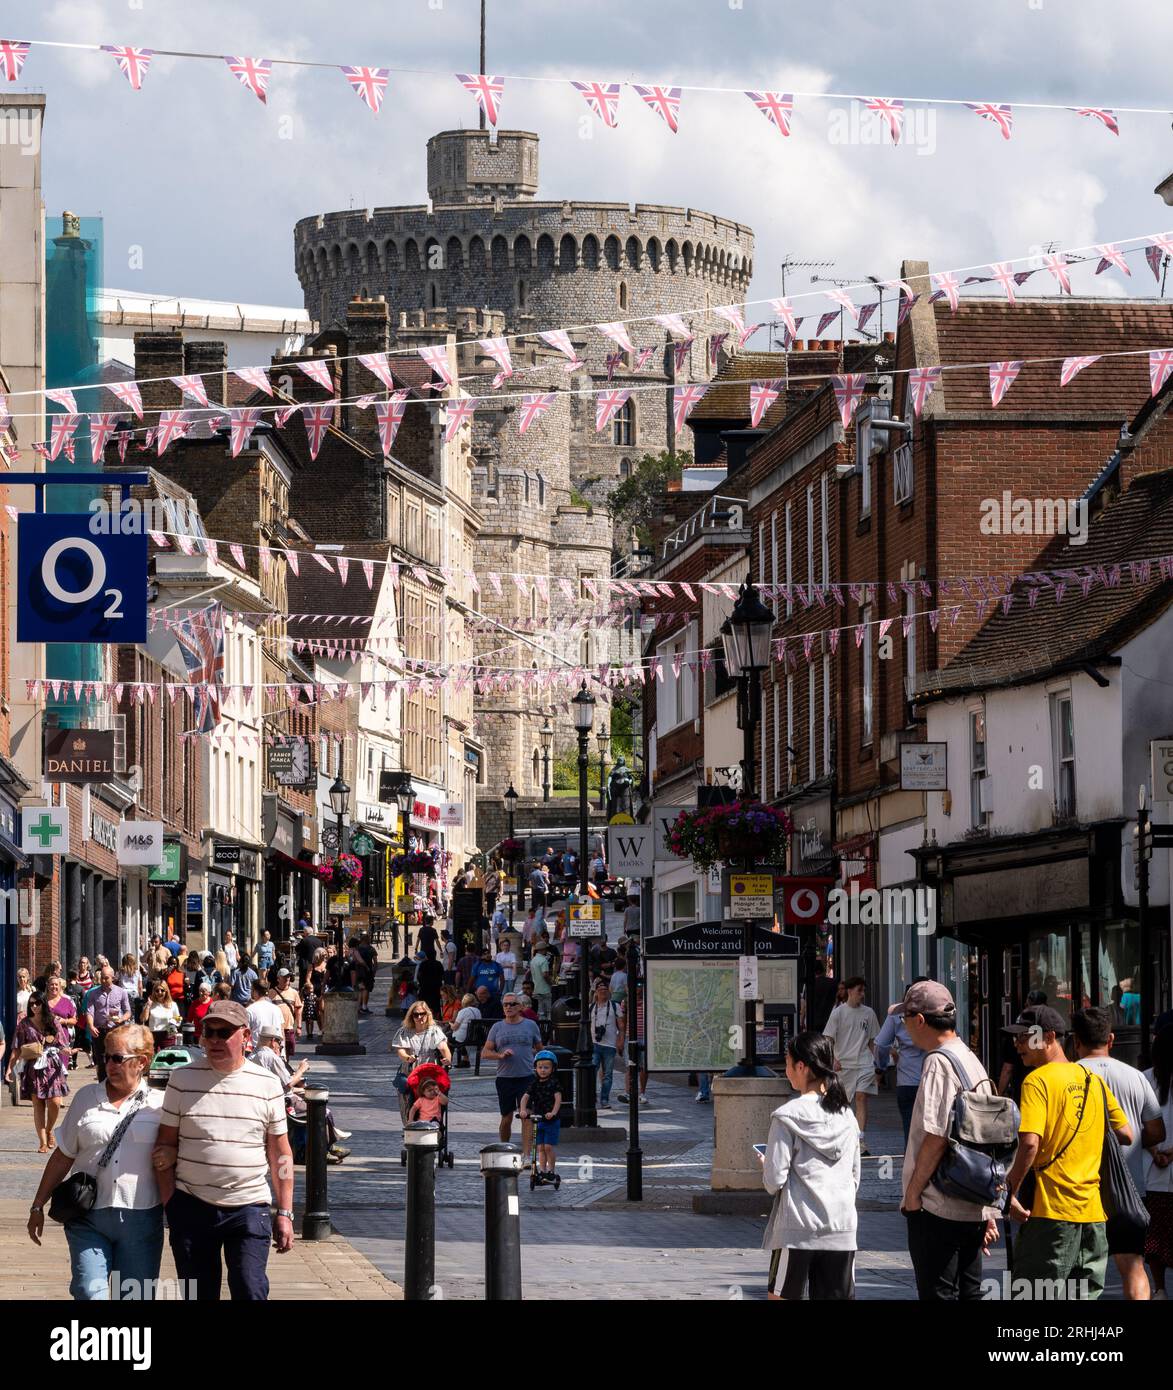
<point>158,355</point>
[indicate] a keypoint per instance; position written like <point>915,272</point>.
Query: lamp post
<point>511,799</point>
<point>339,802</point>
<point>603,738</point>
<point>405,797</point>
<point>745,635</point>
<point>546,734</point>
<point>585,1114</point>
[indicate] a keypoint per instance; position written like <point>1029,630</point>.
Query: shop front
<point>281,828</point>
<point>17,899</point>
<point>167,882</point>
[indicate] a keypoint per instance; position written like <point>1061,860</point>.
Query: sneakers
<point>623,1099</point>
<point>702,1099</point>
<point>342,1133</point>
<point>643,1100</point>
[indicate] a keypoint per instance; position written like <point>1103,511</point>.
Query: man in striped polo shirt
<point>222,1133</point>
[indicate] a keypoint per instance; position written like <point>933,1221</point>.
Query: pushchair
<point>431,1071</point>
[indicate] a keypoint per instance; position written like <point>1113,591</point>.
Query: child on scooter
<point>543,1101</point>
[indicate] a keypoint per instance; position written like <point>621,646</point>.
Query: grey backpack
<point>981,1144</point>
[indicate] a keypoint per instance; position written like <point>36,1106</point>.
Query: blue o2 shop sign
<point>75,586</point>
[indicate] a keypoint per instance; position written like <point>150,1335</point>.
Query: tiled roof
<point>728,395</point>
<point>314,590</point>
<point>1027,643</point>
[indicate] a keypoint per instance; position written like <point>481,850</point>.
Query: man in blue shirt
<point>909,1061</point>
<point>488,973</point>
<point>242,980</point>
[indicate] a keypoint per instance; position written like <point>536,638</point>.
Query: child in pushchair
<point>428,1086</point>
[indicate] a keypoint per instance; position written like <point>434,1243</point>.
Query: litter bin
<point>564,1018</point>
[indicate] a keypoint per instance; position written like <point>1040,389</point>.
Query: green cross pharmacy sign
<point>45,830</point>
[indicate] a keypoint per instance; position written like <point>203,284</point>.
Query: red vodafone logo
<point>804,901</point>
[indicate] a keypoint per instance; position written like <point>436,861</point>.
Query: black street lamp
<point>585,1114</point>
<point>339,802</point>
<point>603,738</point>
<point>546,734</point>
<point>511,799</point>
<point>745,634</point>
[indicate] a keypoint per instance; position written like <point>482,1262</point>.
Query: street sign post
<point>751,895</point>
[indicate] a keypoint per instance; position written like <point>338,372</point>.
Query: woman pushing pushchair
<point>420,1040</point>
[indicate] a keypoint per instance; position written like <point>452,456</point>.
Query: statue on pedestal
<point>619,790</point>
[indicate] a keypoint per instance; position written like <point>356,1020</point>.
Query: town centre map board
<point>692,1013</point>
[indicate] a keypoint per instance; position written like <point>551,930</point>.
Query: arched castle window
<point>622,294</point>
<point>584,650</point>
<point>625,468</point>
<point>521,294</point>
<point>611,252</point>
<point>623,425</point>
<point>590,252</point>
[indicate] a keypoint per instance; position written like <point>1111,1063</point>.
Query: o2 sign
<point>74,586</point>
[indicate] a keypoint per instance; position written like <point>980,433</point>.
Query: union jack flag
<point>132,62</point>
<point>921,381</point>
<point>13,52</point>
<point>1100,113</point>
<point>560,339</point>
<point>607,405</point>
<point>641,358</point>
<point>785,311</point>
<point>1072,366</point>
<point>284,413</point>
<point>684,398</point>
<point>369,83</point>
<point>902,285</point>
<point>254,376</point>
<point>1002,376</point>
<point>318,419</point>
<point>318,373</point>
<point>1154,255</point>
<point>613,360</point>
<point>1162,244</point>
<point>680,352</point>
<point>1001,271</point>
<point>436,356</point>
<point>241,423</point>
<point>487,90</point>
<point>1111,254</point>
<point>532,408</point>
<point>129,394</point>
<point>617,332</point>
<point>62,395</point>
<point>498,350</point>
<point>603,99</point>
<point>673,323</point>
<point>1160,365</point>
<point>459,413</point>
<point>1057,265</point>
<point>825,322</point>
<point>664,101</point>
<point>892,110</point>
<point>777,107</point>
<point>61,428</point>
<point>376,363</point>
<point>389,415</point>
<point>848,393</point>
<point>762,395</point>
<point>947,283</point>
<point>1002,116</point>
<point>200,637</point>
<point>253,73</point>
<point>732,315</point>
<point>865,315</point>
<point>192,386</point>
<point>747,333</point>
<point>101,428</point>
<point>716,343</point>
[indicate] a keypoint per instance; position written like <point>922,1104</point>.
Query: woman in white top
<point>161,1014</point>
<point>23,989</point>
<point>421,1039</point>
<point>124,1230</point>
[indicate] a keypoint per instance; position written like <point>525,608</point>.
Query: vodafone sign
<point>804,901</point>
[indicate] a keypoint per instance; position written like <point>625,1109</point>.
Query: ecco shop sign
<point>77,586</point>
<point>140,842</point>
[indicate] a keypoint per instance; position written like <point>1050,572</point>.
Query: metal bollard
<point>635,1155</point>
<point>422,1141</point>
<point>315,1221</point>
<point>500,1164</point>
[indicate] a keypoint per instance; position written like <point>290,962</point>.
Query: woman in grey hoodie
<point>811,1166</point>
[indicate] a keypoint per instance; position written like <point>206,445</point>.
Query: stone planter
<point>339,1024</point>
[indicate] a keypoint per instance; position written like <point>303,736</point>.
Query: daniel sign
<point>140,842</point>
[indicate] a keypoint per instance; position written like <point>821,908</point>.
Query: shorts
<point>547,1132</point>
<point>1125,1237</point>
<point>830,1275</point>
<point>510,1090</point>
<point>859,1079</point>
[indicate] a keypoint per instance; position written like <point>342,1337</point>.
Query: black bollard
<point>635,1155</point>
<point>500,1164</point>
<point>422,1142</point>
<point>315,1221</point>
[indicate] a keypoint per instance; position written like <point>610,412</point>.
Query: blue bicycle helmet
<point>546,1056</point>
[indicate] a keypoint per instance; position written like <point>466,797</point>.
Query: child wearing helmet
<point>543,1100</point>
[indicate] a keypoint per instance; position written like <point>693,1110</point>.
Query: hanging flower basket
<point>343,872</point>
<point>740,832</point>
<point>417,862</point>
<point>511,850</point>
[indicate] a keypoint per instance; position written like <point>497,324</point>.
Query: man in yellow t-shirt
<point>1061,1137</point>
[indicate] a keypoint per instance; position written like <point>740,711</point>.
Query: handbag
<point>29,1052</point>
<point>1117,1189</point>
<point>74,1199</point>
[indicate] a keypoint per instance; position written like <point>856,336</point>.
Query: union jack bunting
<point>607,405</point>
<point>664,101</point>
<point>62,395</point>
<point>369,83</point>
<point>293,560</point>
<point>459,412</point>
<point>825,322</point>
<point>892,110</point>
<point>132,62</point>
<point>603,99</point>
<point>532,408</point>
<point>253,73</point>
<point>946,282</point>
<point>1111,254</point>
<point>680,352</point>
<point>319,373</point>
<point>1002,375</point>
<point>368,569</point>
<point>13,52</point>
<point>840,297</point>
<point>254,376</point>
<point>498,350</point>
<point>101,428</point>
<point>902,285</point>
<point>283,414</point>
<point>684,398</point>
<point>242,420</point>
<point>732,315</point>
<point>237,553</point>
<point>1072,366</point>
<point>376,363</point>
<point>642,357</point>
<point>747,333</point>
<point>777,107</point>
<point>487,90</point>
<point>318,418</point>
<point>192,386</point>
<point>1162,242</point>
<point>129,394</point>
<point>1099,113</point>
<point>785,311</point>
<point>906,308</point>
<point>389,415</point>
<point>674,324</point>
<point>1001,271</point>
<point>613,360</point>
<point>1057,265</point>
<point>560,339</point>
<point>1160,365</point>
<point>762,395</point>
<point>200,636</point>
<point>61,428</point>
<point>865,315</point>
<point>716,343</point>
<point>173,425</point>
<point>1001,116</point>
<point>921,381</point>
<point>436,356</point>
<point>617,332</point>
<point>1154,255</point>
<point>848,393</point>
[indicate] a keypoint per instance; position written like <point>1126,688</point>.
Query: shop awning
<point>297,866</point>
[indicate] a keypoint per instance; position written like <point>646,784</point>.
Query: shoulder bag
<point>74,1199</point>
<point>1117,1189</point>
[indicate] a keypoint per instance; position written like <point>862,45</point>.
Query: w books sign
<point>631,850</point>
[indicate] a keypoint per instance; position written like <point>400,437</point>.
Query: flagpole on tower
<point>482,67</point>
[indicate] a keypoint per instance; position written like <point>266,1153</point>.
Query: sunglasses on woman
<point>117,1058</point>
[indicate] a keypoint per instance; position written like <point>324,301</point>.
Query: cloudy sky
<point>208,182</point>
